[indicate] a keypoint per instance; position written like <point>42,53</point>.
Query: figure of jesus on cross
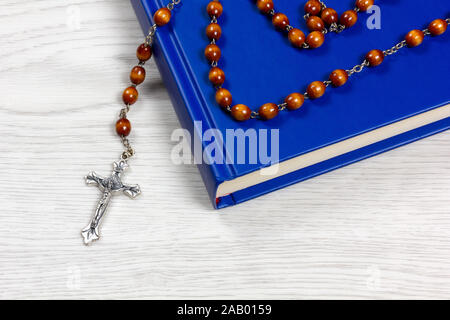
<point>109,186</point>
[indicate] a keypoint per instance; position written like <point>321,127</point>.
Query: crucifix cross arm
<point>94,179</point>
<point>131,190</point>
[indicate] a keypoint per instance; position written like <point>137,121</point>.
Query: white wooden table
<point>377,229</point>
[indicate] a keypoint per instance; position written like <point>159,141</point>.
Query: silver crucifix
<point>108,186</point>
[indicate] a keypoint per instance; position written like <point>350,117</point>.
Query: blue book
<point>404,99</point>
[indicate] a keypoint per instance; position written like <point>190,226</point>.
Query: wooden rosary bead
<point>265,6</point>
<point>329,16</point>
<point>280,21</point>
<point>375,57</point>
<point>316,89</point>
<point>339,77</point>
<point>123,127</point>
<point>315,23</point>
<point>216,76</point>
<point>214,8</point>
<point>137,75</point>
<point>130,95</point>
<point>162,17</point>
<point>349,18</point>
<point>313,7</point>
<point>363,5</point>
<point>213,31</point>
<point>296,37</point>
<point>224,98</point>
<point>241,112</point>
<point>212,53</point>
<point>294,101</point>
<point>437,27</point>
<point>414,38</point>
<point>315,39</point>
<point>268,111</point>
<point>144,52</point>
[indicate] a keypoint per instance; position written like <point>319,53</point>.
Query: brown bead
<point>414,38</point>
<point>315,39</point>
<point>375,57</point>
<point>130,95</point>
<point>144,52</point>
<point>339,77</point>
<point>214,8</point>
<point>162,17</point>
<point>316,89</point>
<point>241,112</point>
<point>296,37</point>
<point>265,6</point>
<point>223,98</point>
<point>213,31</point>
<point>363,5</point>
<point>123,127</point>
<point>212,52</point>
<point>349,18</point>
<point>137,75</point>
<point>329,16</point>
<point>216,76</point>
<point>280,21</point>
<point>294,101</point>
<point>437,27</point>
<point>268,111</point>
<point>314,23</point>
<point>313,7</point>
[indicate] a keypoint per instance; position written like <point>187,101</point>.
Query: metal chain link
<point>124,111</point>
<point>338,28</point>
<point>171,5</point>
<point>358,68</point>
<point>129,152</point>
<point>282,106</point>
<point>151,35</point>
<point>395,48</point>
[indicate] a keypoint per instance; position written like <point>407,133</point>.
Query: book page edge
<point>333,150</point>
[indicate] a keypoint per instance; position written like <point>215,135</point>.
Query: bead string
<point>137,76</point>
<point>329,21</point>
<point>316,89</point>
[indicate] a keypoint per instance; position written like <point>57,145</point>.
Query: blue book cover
<point>404,99</point>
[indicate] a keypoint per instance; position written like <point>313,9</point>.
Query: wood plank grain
<point>377,229</point>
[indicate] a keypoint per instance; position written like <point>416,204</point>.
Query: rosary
<point>320,21</point>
